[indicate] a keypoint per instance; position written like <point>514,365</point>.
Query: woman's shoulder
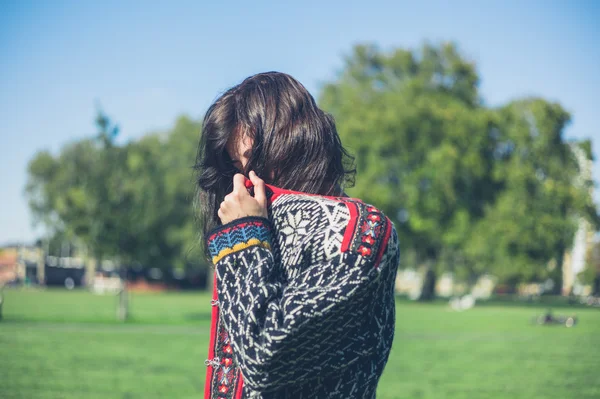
<point>342,224</point>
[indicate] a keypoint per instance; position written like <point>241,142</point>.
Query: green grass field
<point>58,344</point>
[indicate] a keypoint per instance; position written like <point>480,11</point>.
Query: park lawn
<point>58,344</point>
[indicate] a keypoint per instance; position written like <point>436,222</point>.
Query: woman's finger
<point>239,181</point>
<point>259,189</point>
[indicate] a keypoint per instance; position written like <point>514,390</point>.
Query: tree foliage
<point>131,202</point>
<point>473,189</point>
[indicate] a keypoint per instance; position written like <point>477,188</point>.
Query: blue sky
<point>147,63</point>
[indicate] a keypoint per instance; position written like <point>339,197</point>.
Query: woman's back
<point>308,298</point>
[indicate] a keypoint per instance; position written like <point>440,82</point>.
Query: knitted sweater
<point>303,302</point>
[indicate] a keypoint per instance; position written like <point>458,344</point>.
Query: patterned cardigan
<point>303,302</point>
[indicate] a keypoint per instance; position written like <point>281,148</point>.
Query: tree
<point>130,203</point>
<point>544,193</point>
<point>422,143</point>
<point>471,189</point>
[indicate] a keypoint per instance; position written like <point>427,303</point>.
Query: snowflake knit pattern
<point>303,302</point>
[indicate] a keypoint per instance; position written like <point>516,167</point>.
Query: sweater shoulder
<point>340,224</point>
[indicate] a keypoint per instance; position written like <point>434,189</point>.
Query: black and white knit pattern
<point>309,307</point>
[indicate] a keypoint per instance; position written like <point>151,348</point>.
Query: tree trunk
<point>429,280</point>
<point>41,266</point>
<point>123,309</point>
<point>91,265</point>
<point>557,274</point>
<point>560,257</point>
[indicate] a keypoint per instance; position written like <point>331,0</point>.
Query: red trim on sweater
<point>240,386</point>
<point>213,337</point>
<point>349,233</point>
<point>386,238</point>
<point>280,191</point>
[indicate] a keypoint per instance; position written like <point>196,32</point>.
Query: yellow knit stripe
<point>239,246</point>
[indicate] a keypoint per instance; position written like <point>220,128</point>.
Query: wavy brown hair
<point>295,144</point>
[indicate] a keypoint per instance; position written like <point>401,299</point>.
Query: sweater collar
<point>273,192</point>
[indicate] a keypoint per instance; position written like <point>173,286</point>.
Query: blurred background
<point>474,127</point>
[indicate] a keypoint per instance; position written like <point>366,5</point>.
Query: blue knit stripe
<point>229,235</point>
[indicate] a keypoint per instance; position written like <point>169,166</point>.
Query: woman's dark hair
<point>295,144</point>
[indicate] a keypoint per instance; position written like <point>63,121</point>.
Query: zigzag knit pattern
<point>240,234</point>
<point>311,314</point>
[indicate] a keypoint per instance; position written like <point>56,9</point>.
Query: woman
<point>303,301</point>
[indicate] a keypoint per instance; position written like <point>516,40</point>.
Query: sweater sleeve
<point>284,334</point>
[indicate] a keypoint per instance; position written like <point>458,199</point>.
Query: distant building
<point>8,265</point>
<point>575,258</point>
<point>20,264</point>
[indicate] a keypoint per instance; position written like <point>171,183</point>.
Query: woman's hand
<point>239,203</point>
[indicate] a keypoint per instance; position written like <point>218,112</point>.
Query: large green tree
<point>449,170</point>
<point>130,202</point>
<point>544,193</point>
<point>421,140</point>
